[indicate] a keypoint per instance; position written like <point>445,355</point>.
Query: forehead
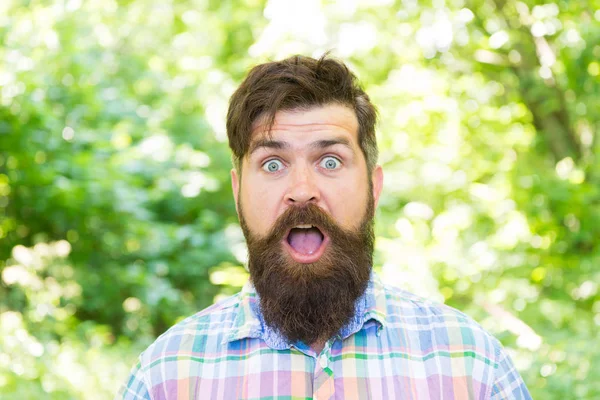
<point>330,119</point>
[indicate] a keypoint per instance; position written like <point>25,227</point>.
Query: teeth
<point>304,226</point>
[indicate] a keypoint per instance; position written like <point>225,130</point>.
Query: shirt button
<point>323,361</point>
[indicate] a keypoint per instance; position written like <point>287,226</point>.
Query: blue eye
<point>330,163</point>
<point>272,166</point>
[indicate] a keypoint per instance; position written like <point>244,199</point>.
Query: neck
<point>318,346</point>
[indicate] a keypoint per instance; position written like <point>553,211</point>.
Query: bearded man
<point>314,321</point>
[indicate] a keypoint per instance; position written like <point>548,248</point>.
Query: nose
<point>303,187</point>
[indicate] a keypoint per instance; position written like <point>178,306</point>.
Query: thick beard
<point>310,302</point>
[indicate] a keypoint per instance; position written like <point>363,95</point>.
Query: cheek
<point>348,203</point>
<point>259,205</point>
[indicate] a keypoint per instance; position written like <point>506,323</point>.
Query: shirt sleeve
<point>135,387</point>
<point>508,384</point>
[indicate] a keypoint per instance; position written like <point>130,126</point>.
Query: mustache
<point>308,214</point>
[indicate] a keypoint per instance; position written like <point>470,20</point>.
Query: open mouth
<point>306,243</point>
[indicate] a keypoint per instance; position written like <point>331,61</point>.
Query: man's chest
<point>348,373</point>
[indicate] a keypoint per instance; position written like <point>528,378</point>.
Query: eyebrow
<point>280,145</point>
<point>322,144</point>
<point>269,144</point>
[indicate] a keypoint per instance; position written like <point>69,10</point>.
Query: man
<point>315,322</point>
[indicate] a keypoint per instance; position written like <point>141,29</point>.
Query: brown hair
<point>298,82</point>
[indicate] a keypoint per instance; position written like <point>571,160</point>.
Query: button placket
<point>324,380</point>
<point>323,361</point>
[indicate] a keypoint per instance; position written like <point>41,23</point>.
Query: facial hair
<point>310,302</point>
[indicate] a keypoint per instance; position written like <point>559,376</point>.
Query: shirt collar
<point>249,323</point>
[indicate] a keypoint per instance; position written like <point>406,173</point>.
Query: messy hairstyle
<point>298,83</point>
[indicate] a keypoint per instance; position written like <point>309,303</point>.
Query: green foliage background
<point>116,214</point>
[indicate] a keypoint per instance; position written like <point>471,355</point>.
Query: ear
<point>377,178</point>
<point>235,186</point>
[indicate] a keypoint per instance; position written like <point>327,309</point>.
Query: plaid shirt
<point>398,346</point>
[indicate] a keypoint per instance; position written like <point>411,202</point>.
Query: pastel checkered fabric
<point>398,346</point>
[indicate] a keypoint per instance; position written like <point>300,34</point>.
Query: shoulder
<point>427,330</point>
<point>439,323</point>
<point>193,335</point>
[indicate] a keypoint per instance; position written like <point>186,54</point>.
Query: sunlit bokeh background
<point>116,214</point>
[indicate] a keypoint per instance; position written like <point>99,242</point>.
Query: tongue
<point>305,241</point>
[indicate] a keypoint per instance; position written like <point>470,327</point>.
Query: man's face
<point>306,204</point>
<point>314,157</point>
